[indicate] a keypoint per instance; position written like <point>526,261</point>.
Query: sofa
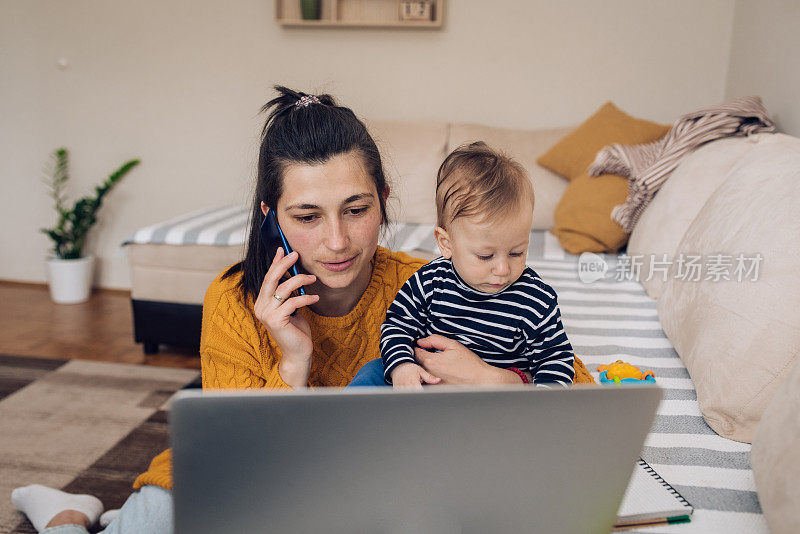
<point>725,350</point>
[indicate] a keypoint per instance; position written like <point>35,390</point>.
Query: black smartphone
<point>273,238</point>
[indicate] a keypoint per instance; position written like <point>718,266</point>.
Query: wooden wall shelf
<point>355,14</point>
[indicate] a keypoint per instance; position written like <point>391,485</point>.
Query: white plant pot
<point>70,280</point>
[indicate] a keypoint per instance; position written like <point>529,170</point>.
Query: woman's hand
<point>291,333</point>
<point>411,375</point>
<point>456,364</point>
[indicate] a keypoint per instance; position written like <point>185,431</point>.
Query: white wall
<point>764,58</point>
<point>178,83</point>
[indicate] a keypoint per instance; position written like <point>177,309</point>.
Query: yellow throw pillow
<point>582,218</point>
<point>571,156</point>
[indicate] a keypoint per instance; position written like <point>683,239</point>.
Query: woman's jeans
<point>371,374</point>
<point>148,510</point>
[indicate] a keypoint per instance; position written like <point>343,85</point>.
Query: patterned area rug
<point>83,426</point>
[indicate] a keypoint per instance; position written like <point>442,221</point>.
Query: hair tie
<point>306,100</point>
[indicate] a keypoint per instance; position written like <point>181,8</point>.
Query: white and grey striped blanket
<point>228,226</point>
<point>606,320</point>
<point>216,226</point>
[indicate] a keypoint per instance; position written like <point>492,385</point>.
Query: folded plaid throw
<point>648,166</point>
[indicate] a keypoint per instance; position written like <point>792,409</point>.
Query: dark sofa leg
<point>150,347</point>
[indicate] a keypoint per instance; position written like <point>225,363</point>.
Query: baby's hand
<point>411,375</point>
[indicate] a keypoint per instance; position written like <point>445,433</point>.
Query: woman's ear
<point>264,208</point>
<point>385,195</point>
<point>443,240</point>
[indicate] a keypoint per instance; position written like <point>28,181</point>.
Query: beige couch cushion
<point>524,146</point>
<point>412,152</point>
<point>738,338</point>
<point>774,457</point>
<point>664,222</point>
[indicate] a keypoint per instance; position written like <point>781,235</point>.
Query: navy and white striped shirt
<point>517,327</point>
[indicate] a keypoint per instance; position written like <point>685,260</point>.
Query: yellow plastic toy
<point>621,372</point>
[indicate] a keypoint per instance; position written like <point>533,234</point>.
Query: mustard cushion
<point>571,156</point>
<point>582,218</point>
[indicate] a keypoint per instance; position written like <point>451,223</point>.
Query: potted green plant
<point>69,271</point>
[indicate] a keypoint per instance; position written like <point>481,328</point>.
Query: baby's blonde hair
<point>477,181</point>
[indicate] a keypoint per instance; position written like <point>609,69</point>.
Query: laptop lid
<point>443,460</point>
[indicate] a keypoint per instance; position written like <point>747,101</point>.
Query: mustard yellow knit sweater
<point>236,352</point>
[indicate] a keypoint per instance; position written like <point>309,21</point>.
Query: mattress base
<point>169,323</point>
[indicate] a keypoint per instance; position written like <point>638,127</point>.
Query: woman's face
<point>330,214</point>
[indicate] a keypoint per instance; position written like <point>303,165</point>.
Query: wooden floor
<point>100,329</point>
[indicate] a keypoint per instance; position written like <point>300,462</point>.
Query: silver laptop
<point>444,460</point>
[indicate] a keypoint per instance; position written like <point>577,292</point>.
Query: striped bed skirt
<point>606,320</point>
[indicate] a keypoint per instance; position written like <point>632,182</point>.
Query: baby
<point>480,293</point>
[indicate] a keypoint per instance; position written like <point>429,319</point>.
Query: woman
<point>321,172</point>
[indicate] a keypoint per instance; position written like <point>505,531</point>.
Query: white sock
<point>41,504</point>
<point>108,517</point>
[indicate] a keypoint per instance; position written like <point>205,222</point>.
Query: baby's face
<point>488,255</point>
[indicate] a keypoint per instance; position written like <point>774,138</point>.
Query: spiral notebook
<point>650,500</point>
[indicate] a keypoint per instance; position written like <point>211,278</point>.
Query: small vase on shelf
<point>309,9</point>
